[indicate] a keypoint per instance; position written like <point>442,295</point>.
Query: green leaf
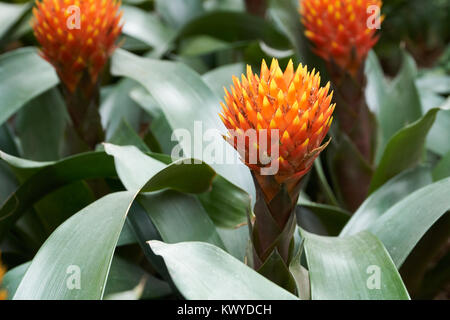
<point>185,99</point>
<point>125,135</point>
<point>203,271</point>
<point>7,143</point>
<point>221,77</point>
<point>179,217</point>
<point>125,276</point>
<point>58,206</point>
<point>34,118</point>
<point>23,76</point>
<point>231,26</point>
<point>236,241</point>
<point>203,45</point>
<point>9,183</point>
<point>24,168</point>
<point>404,224</point>
<point>135,169</point>
<point>226,204</point>
<point>147,28</point>
<point>404,150</point>
<point>10,17</point>
<point>51,177</point>
<point>83,246</point>
<point>286,16</point>
<point>385,197</point>
<point>331,219</point>
<point>344,268</point>
<point>400,94</point>
<point>118,106</point>
<point>179,12</point>
<point>442,169</point>
<point>438,136</point>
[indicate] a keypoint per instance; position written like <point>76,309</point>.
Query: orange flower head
<point>342,30</point>
<point>77,36</point>
<point>2,273</point>
<point>278,119</point>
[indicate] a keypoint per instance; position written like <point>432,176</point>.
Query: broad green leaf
<point>125,135</point>
<point>226,204</point>
<point>435,82</point>
<point>178,12</point>
<point>221,77</point>
<point>124,276</point>
<point>118,106</point>
<point>404,224</point>
<point>147,28</point>
<point>179,217</point>
<point>58,206</point>
<point>23,168</point>
<point>442,169</point>
<point>188,104</point>
<point>231,26</point>
<point>203,45</point>
<point>51,177</point>
<point>356,267</point>
<point>236,241</point>
<point>9,182</point>
<point>286,16</point>
<point>159,127</point>
<point>10,17</point>
<point>299,272</point>
<point>203,271</point>
<point>396,104</point>
<point>135,169</point>
<point>39,140</point>
<point>7,143</point>
<point>404,150</point>
<point>23,76</point>
<point>330,219</point>
<point>82,248</point>
<point>437,139</point>
<point>127,236</point>
<point>385,197</point>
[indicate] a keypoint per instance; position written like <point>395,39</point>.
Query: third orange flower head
<point>342,30</point>
<point>293,104</point>
<point>3,294</point>
<point>77,36</point>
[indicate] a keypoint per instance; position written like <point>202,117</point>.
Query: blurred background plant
<point>175,58</point>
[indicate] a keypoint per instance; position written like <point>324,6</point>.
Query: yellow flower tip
<point>292,103</point>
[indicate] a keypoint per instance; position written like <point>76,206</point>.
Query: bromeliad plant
<point>289,115</point>
<point>343,32</point>
<point>77,38</point>
<point>95,225</point>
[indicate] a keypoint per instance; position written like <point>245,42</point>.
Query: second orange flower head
<point>342,30</point>
<point>290,102</point>
<point>77,36</point>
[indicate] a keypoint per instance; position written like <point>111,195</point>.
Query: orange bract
<point>340,29</point>
<point>74,48</point>
<point>293,103</point>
